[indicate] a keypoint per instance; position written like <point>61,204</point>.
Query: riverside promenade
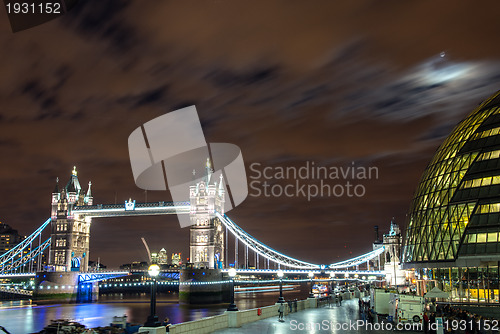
<point>311,316</point>
<point>324,319</point>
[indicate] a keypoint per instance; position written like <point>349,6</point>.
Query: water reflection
<point>26,319</point>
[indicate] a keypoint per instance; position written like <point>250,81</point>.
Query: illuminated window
<point>481,237</point>
<point>486,181</point>
<point>487,133</point>
<point>61,243</point>
<point>489,208</point>
<point>202,238</point>
<point>489,155</point>
<point>492,237</point>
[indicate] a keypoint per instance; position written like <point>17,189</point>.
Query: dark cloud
<point>287,82</point>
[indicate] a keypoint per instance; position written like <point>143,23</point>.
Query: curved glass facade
<point>456,208</point>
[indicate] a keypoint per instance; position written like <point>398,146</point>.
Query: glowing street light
<point>153,271</point>
<point>311,275</point>
<point>332,276</point>
<point>280,275</point>
<point>232,273</point>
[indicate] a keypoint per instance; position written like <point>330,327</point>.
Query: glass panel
<point>432,220</point>
<point>481,237</point>
<point>492,237</point>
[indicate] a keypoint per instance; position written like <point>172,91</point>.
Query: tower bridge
<point>73,209</point>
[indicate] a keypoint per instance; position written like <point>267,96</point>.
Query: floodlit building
<point>69,247</point>
<point>452,235</point>
<point>162,256</point>
<point>9,238</point>
<point>176,259</point>
<point>394,274</point>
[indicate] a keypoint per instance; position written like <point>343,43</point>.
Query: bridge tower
<point>69,248</point>
<point>395,275</point>
<point>206,233</point>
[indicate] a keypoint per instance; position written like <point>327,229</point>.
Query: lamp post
<point>311,294</point>
<point>280,275</point>
<point>232,306</point>
<point>332,276</point>
<point>152,321</point>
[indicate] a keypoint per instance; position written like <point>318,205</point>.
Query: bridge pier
<point>63,287</point>
<point>207,287</point>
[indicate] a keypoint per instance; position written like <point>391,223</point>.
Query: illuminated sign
<point>130,205</point>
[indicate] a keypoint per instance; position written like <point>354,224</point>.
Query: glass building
<point>452,235</point>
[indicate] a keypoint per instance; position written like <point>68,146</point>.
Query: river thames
<point>19,319</point>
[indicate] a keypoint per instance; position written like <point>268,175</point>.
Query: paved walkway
<point>327,319</point>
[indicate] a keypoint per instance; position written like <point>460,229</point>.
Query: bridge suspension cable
<point>262,249</point>
<point>357,260</point>
<point>14,264</point>
<point>281,259</point>
<point>17,257</point>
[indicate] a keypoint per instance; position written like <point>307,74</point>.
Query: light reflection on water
<point>31,319</point>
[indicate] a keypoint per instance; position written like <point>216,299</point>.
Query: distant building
<point>377,262</point>
<point>176,259</point>
<point>9,238</point>
<point>136,265</point>
<point>395,275</point>
<point>162,256</point>
<point>96,265</point>
<point>154,257</point>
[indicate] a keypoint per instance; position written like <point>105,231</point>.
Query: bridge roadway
<point>314,271</point>
<point>139,209</point>
<point>106,274</point>
<point>16,290</point>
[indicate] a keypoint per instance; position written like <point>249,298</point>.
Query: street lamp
<point>232,306</point>
<point>332,276</point>
<point>152,321</point>
<point>311,294</point>
<point>280,275</point>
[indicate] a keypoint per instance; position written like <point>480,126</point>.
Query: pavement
<point>325,319</point>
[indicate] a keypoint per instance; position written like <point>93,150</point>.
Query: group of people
<point>292,307</point>
<point>454,320</point>
<point>366,312</point>
<point>457,320</point>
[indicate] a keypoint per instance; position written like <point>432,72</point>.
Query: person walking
<point>432,324</point>
<point>281,310</point>
<point>167,324</point>
<point>426,323</point>
<point>373,315</point>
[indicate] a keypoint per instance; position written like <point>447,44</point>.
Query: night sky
<point>375,83</point>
